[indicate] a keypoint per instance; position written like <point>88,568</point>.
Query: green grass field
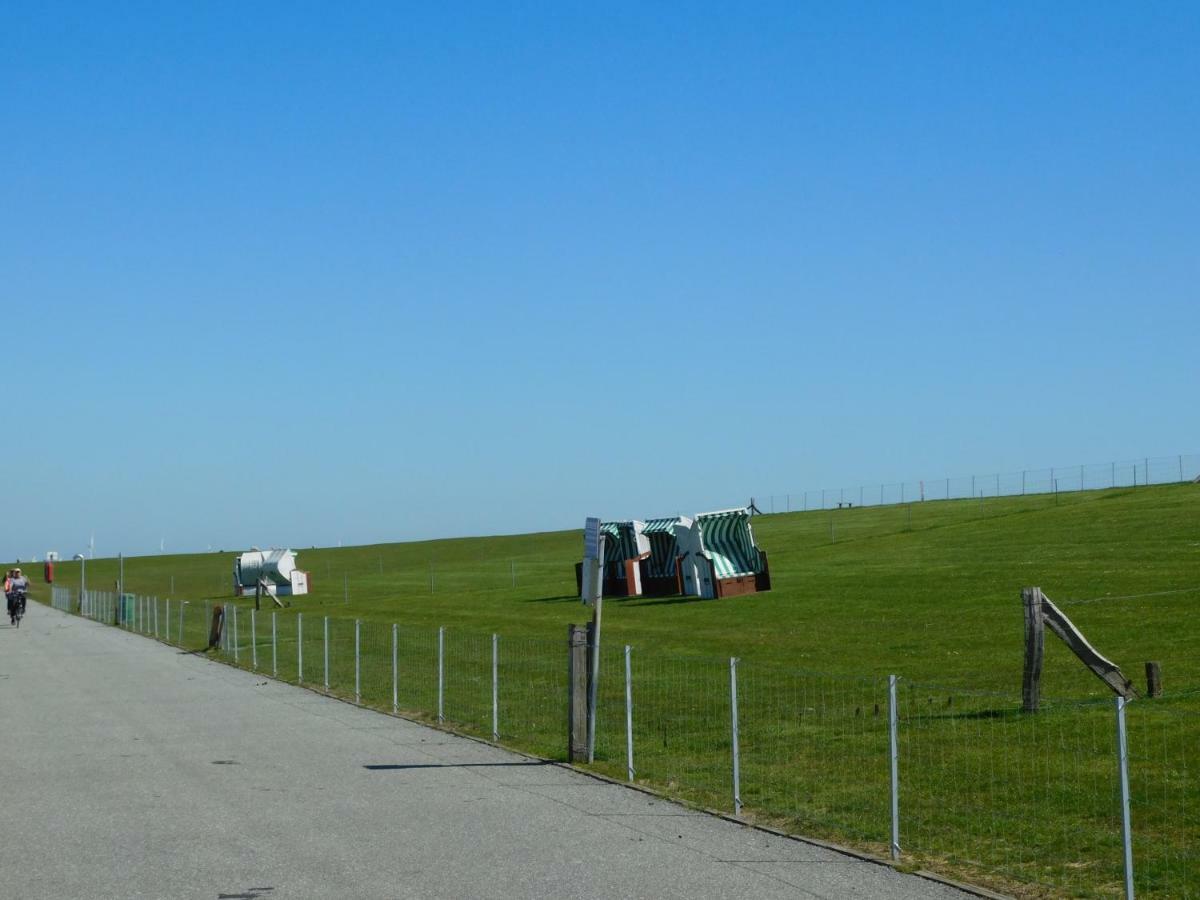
<point>929,591</point>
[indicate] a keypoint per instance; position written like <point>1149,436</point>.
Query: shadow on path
<point>389,768</point>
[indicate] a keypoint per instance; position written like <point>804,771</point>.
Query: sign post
<point>593,595</point>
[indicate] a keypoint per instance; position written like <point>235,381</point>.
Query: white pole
<point>495,687</point>
<point>628,716</point>
<point>1126,829</point>
<point>733,721</point>
<point>591,735</point>
<point>357,668</point>
<point>167,623</point>
<point>894,752</point>
<point>253,640</point>
<point>326,651</point>
<point>274,647</point>
<point>395,671</point>
<point>441,673</point>
<point>300,648</point>
<point>235,635</point>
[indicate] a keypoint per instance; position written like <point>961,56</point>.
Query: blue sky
<point>300,274</point>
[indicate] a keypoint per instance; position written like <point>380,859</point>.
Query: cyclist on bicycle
<point>16,586</point>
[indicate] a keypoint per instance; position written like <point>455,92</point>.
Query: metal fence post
<point>441,673</point>
<point>300,648</point>
<point>167,623</point>
<point>253,641</point>
<point>395,671</point>
<point>182,604</point>
<point>357,667</point>
<point>1126,828</point>
<point>235,635</point>
<point>274,647</point>
<point>495,687</point>
<point>628,716</point>
<point>325,649</point>
<point>894,752</point>
<point>155,599</point>
<point>733,722</point>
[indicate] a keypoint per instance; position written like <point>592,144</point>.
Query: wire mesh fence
<point>532,694</point>
<point>814,752</point>
<point>1165,796</point>
<point>1049,480</point>
<point>1032,803</point>
<point>1032,798</point>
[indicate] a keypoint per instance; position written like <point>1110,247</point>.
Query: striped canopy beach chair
<point>660,571</point>
<point>719,556</point>
<point>625,546</point>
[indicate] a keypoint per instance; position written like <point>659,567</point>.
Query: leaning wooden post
<point>577,685</point>
<point>1153,679</point>
<point>1035,641</point>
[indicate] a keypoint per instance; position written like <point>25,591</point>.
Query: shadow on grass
<point>633,601</point>
<point>666,601</point>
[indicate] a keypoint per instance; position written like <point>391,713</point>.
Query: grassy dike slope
<point>928,590</point>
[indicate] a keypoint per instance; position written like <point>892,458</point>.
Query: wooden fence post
<point>577,702</point>
<point>1153,679</point>
<point>1035,642</point>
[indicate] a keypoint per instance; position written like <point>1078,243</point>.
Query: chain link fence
<point>954,781</point>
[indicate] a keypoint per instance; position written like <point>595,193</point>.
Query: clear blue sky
<point>301,273</point>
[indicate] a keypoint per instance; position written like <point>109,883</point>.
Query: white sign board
<point>591,538</point>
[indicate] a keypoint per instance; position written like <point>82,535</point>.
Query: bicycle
<point>16,607</point>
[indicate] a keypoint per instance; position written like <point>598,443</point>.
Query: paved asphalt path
<point>130,769</point>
